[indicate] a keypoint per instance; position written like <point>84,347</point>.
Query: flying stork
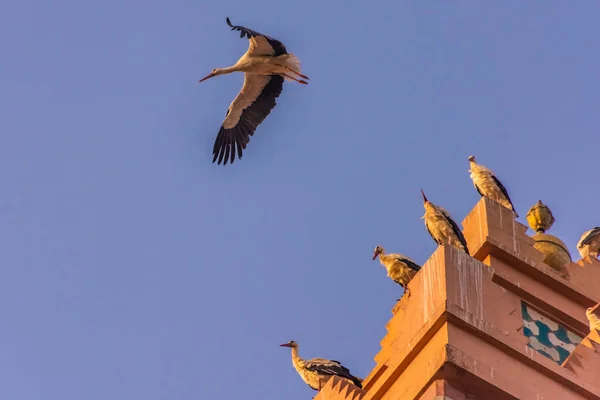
<point>488,185</point>
<point>400,269</point>
<point>317,371</point>
<point>589,244</point>
<point>441,226</point>
<point>265,65</point>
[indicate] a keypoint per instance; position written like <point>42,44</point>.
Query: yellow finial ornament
<point>539,217</point>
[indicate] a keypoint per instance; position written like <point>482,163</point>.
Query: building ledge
<point>461,333</point>
<point>339,389</point>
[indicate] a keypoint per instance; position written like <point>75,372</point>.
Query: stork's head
<point>378,250</point>
<point>291,344</point>
<point>214,72</point>
<point>472,158</point>
<point>590,311</point>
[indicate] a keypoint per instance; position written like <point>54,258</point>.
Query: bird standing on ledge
<point>316,372</point>
<point>589,244</point>
<point>265,65</point>
<point>441,227</point>
<point>594,321</point>
<point>488,185</point>
<point>400,268</point>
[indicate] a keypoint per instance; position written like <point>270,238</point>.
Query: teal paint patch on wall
<point>546,336</point>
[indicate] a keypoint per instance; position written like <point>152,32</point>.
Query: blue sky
<point>133,267</point>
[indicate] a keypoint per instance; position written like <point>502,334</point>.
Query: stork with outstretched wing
<point>265,66</point>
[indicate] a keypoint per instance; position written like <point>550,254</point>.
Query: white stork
<point>589,244</point>
<point>317,371</point>
<point>488,185</point>
<point>265,65</point>
<point>594,321</point>
<point>441,226</point>
<point>400,269</point>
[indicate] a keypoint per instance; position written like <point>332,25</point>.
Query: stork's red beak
<point>285,345</point>
<point>375,254</point>
<point>206,77</point>
<point>424,198</point>
<point>596,306</point>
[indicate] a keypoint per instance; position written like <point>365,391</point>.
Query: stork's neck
<point>296,360</point>
<point>429,208</point>
<point>226,70</point>
<point>383,259</point>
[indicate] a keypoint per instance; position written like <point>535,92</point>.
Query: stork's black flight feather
<point>277,46</point>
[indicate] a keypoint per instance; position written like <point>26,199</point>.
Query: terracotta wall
<point>460,335</point>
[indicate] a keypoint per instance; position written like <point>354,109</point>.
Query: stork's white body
<point>441,231</point>
<point>400,268</point>
<point>589,243</point>
<point>317,371</point>
<point>441,227</point>
<point>266,65</point>
<point>593,320</point>
<point>488,185</point>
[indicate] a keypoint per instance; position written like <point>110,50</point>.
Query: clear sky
<point>134,268</point>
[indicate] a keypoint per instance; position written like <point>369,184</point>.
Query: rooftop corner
<point>500,324</point>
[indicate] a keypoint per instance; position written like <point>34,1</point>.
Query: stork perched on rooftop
<point>594,321</point>
<point>265,65</point>
<point>317,371</point>
<point>589,244</point>
<point>488,185</point>
<point>400,268</point>
<point>442,227</point>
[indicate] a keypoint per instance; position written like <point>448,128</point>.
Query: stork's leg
<point>406,291</point>
<point>295,72</point>
<point>294,79</point>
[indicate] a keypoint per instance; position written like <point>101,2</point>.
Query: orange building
<point>506,323</point>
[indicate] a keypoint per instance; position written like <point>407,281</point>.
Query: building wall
<point>497,324</point>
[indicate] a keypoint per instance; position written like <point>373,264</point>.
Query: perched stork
<point>594,321</point>
<point>488,185</point>
<point>400,268</point>
<point>589,244</point>
<point>316,372</point>
<point>265,65</point>
<point>442,227</point>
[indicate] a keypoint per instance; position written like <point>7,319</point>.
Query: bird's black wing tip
<point>228,21</point>
<point>225,159</point>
